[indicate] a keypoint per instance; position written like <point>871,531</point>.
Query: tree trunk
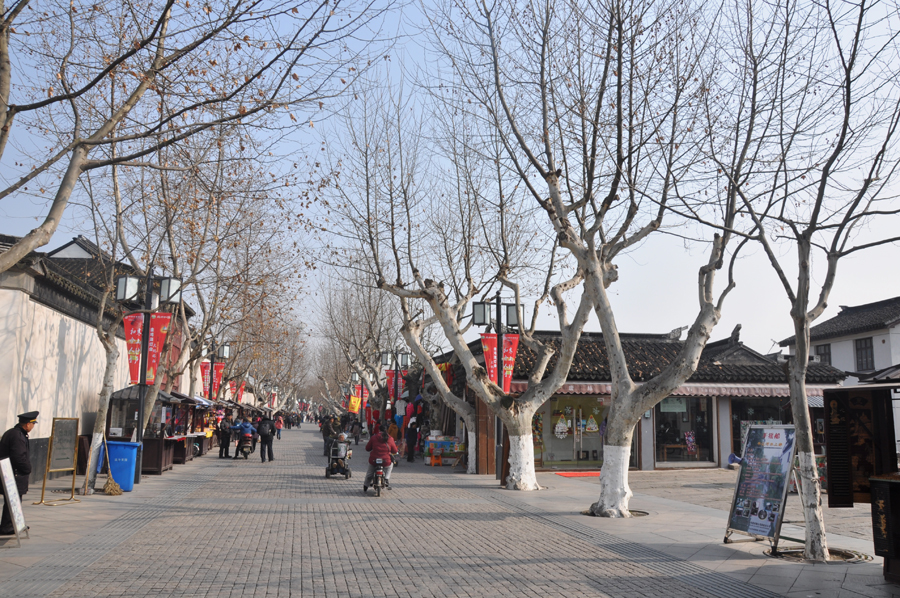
<point>809,491</point>
<point>521,449</point>
<point>112,358</point>
<point>615,493</point>
<point>472,465</point>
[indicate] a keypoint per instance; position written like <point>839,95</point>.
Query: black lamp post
<point>127,291</point>
<point>481,316</point>
<point>401,360</point>
<point>223,351</point>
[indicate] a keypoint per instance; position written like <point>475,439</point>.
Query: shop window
<point>824,353</point>
<point>684,430</point>
<point>572,430</point>
<point>865,355</point>
<point>757,411</point>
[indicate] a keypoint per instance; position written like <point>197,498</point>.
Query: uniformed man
<point>14,446</point>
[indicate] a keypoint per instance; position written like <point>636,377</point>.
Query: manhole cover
<point>634,513</point>
<point>838,555</point>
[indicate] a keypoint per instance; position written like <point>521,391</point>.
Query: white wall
<point>49,362</point>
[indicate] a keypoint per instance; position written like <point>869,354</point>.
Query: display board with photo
<point>758,505</point>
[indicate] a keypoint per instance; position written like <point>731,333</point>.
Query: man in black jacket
<point>225,437</point>
<point>266,430</point>
<point>14,446</point>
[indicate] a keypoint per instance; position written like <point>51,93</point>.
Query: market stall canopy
<point>133,393</point>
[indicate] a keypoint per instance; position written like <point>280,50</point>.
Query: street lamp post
<point>401,360</point>
<point>481,316</point>
<point>126,291</point>
<point>223,351</point>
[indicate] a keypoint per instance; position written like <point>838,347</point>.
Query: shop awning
<point>688,390</point>
<point>133,393</point>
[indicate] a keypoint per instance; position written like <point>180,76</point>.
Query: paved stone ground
<point>714,488</point>
<point>242,528</point>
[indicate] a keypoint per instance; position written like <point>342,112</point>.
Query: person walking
<point>412,436</point>
<point>266,428</point>
<point>330,430</point>
<point>356,430</point>
<point>279,423</point>
<point>380,446</point>
<point>14,446</point>
<point>225,437</point>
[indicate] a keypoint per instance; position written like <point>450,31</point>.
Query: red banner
<point>510,348</point>
<point>489,347</point>
<point>134,327</point>
<point>159,327</point>
<point>365,393</point>
<point>240,392</point>
<point>204,374</point>
<point>218,369</point>
<point>232,389</point>
<point>390,383</point>
<point>403,374</point>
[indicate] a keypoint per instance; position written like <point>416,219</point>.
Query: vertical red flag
<point>159,327</point>
<point>403,374</point>
<point>510,348</point>
<point>134,327</point>
<point>390,383</point>
<point>231,388</point>
<point>240,393</point>
<point>217,378</point>
<point>489,347</point>
<point>204,373</point>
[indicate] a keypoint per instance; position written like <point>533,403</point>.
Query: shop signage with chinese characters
<point>762,485</point>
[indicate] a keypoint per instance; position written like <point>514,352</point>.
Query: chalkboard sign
<point>758,505</point>
<point>13,502</point>
<point>62,456</point>
<point>64,442</point>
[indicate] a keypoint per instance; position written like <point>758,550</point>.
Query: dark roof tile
<point>855,320</point>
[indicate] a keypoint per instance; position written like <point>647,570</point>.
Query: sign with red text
<point>489,347</point>
<point>218,369</point>
<point>510,348</point>
<point>159,328</point>
<point>390,383</point>
<point>134,328</point>
<point>757,508</point>
<point>204,374</point>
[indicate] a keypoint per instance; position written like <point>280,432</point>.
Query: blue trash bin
<point>122,461</point>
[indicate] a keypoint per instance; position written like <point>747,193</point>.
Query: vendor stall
<point>122,421</point>
<point>862,462</point>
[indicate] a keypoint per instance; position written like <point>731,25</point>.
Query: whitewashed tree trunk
<point>521,463</point>
<point>521,449</point>
<point>615,493</point>
<point>472,465</point>
<point>112,358</point>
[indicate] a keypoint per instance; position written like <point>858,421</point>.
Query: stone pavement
<point>242,528</point>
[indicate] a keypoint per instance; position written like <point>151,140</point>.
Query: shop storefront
<point>569,430</point>
<point>684,430</point>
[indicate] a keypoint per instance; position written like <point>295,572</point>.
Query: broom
<point>111,488</point>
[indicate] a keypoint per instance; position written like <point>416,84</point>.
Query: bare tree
<point>427,235</point>
<point>597,105</point>
<point>92,74</point>
<point>809,114</point>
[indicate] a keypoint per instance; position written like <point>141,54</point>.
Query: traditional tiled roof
<point>725,361</point>
<point>855,320</point>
